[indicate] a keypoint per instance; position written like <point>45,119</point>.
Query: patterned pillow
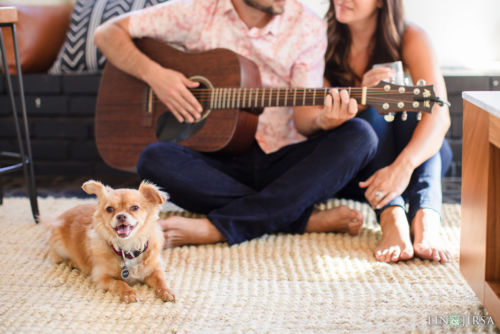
<point>79,53</point>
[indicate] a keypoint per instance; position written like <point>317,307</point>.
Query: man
<point>274,186</point>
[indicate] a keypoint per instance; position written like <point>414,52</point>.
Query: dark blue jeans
<point>255,193</point>
<point>424,188</point>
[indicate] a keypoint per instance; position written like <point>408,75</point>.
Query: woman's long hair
<point>387,43</point>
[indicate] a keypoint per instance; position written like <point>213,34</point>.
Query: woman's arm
<point>431,130</point>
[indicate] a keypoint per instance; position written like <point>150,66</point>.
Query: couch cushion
<point>79,53</point>
<point>40,34</point>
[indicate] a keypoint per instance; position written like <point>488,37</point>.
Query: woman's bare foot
<point>427,238</point>
<point>338,219</point>
<point>180,231</point>
<point>395,244</point>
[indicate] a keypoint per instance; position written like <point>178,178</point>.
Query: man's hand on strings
<point>172,88</point>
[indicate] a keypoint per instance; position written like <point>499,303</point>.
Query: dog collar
<point>128,255</point>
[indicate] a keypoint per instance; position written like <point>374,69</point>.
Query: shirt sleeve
<point>308,69</point>
<point>171,21</point>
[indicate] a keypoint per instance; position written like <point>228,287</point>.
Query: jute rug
<point>313,283</point>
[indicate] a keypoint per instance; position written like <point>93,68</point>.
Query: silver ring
<point>379,194</point>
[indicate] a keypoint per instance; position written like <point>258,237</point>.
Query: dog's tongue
<point>123,230</point>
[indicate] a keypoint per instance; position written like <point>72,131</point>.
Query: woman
<point>412,155</point>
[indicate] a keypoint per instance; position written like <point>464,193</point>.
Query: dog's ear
<point>95,187</point>
<point>152,193</point>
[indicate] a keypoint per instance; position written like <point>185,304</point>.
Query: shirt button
<point>254,32</point>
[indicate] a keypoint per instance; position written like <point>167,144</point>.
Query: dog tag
<point>125,272</point>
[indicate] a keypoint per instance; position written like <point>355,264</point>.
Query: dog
<point>116,241</point>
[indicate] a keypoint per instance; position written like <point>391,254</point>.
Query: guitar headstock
<point>387,98</point>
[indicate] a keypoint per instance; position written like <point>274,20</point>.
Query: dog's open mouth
<point>123,230</point>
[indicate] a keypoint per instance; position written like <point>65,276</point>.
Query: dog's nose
<point>121,218</point>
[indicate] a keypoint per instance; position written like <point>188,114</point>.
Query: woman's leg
<point>424,196</point>
<point>424,189</point>
<point>395,244</point>
<point>385,156</point>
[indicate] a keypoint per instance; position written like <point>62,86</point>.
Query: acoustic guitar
<point>129,116</point>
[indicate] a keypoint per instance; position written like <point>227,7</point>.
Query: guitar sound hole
<point>201,95</point>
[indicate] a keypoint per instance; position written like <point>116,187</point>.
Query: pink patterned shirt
<point>288,51</point>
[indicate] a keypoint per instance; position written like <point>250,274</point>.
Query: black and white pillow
<point>79,53</point>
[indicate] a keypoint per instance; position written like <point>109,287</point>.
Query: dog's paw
<point>166,295</point>
<point>129,296</point>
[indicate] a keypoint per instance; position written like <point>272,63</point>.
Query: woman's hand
<point>172,88</point>
<point>386,184</point>
<point>337,109</point>
<point>372,77</point>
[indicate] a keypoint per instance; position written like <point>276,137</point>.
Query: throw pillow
<point>79,53</point>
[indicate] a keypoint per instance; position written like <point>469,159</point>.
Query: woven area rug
<point>313,283</point>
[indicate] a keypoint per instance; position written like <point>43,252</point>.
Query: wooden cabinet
<point>480,229</point>
<point>455,85</point>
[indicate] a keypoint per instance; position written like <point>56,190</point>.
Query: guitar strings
<point>308,98</point>
<point>388,95</point>
<point>249,96</point>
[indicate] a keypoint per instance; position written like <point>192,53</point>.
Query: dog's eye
<point>110,209</point>
<point>134,208</point>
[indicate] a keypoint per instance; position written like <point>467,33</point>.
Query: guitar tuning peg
<point>419,116</point>
<point>404,116</point>
<point>389,117</point>
<point>421,82</point>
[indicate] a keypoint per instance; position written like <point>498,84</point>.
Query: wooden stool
<point>8,18</point>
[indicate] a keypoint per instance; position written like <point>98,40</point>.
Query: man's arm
<point>115,42</point>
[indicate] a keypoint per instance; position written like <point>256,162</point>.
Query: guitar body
<point>128,117</point>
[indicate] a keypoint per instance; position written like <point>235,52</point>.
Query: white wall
<point>463,32</point>
<point>318,6</point>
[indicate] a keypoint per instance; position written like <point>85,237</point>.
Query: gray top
<point>488,100</point>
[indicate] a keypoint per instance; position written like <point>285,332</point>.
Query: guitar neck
<point>248,98</point>
<point>385,97</point>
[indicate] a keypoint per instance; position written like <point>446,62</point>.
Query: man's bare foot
<point>395,244</point>
<point>338,219</point>
<point>180,231</point>
<point>427,238</point>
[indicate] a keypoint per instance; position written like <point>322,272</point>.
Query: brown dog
<point>116,241</point>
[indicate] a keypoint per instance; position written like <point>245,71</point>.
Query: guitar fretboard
<point>385,97</point>
<point>236,98</point>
